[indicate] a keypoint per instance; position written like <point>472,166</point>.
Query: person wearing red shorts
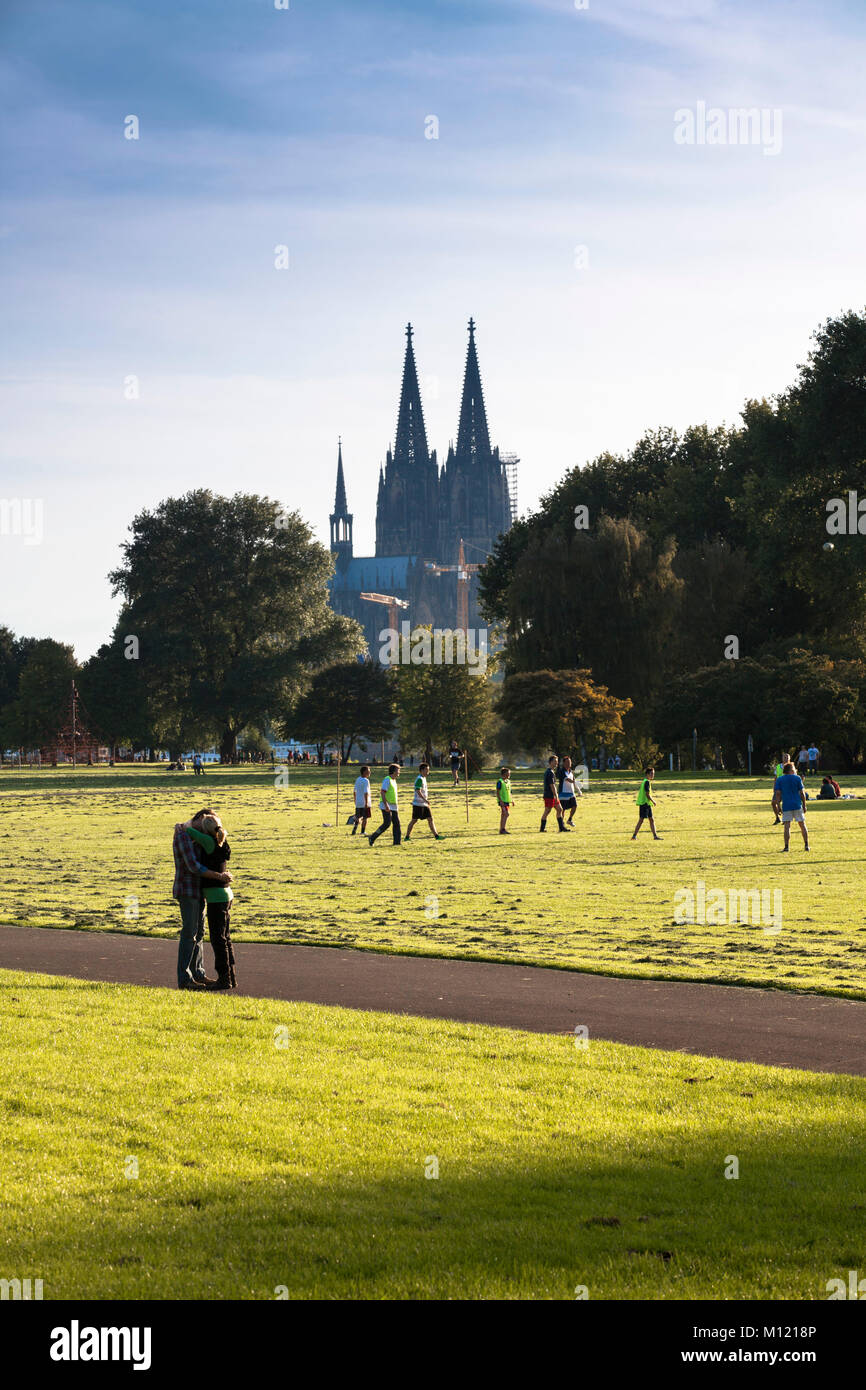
<point>551,795</point>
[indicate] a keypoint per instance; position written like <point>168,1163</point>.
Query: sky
<point>621,277</point>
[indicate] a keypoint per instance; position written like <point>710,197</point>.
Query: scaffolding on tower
<point>74,742</point>
<point>509,469</point>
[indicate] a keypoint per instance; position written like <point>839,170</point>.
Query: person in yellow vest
<point>504,799</point>
<point>645,804</point>
<point>389,806</point>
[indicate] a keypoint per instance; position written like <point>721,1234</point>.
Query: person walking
<point>421,804</point>
<point>789,795</point>
<point>551,795</point>
<point>455,756</point>
<point>388,805</point>
<point>645,804</point>
<point>569,791</point>
<point>189,872</point>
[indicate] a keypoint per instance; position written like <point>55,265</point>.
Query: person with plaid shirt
<point>188,875</point>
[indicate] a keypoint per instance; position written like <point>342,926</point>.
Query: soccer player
<point>503,797</point>
<point>789,794</point>
<point>363,805</point>
<point>388,806</point>
<point>551,796</point>
<point>421,804</point>
<point>456,758</point>
<point>645,804</point>
<point>569,791</point>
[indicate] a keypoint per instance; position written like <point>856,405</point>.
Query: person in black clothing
<point>551,796</point>
<point>218,903</point>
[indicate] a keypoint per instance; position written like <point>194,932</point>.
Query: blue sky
<point>708,267</point>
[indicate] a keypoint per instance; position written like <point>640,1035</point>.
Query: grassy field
<point>304,1165</point>
<point>77,846</point>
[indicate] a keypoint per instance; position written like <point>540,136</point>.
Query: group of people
<point>389,804</point>
<point>790,795</point>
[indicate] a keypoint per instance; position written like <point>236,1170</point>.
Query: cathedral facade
<point>424,511</point>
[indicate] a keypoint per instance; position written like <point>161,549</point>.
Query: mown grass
<point>303,1166</point>
<point>78,845</point>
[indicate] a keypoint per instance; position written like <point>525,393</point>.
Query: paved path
<point>756,1025</point>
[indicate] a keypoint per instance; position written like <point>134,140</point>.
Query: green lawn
<point>304,1165</point>
<point>76,845</point>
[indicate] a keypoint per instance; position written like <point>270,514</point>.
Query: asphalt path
<point>777,1027</point>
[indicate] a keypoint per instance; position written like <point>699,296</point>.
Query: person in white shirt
<point>802,759</point>
<point>569,791</point>
<point>421,804</point>
<point>363,805</point>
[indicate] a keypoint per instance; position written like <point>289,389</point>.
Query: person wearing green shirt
<point>503,797</point>
<point>645,804</point>
<point>389,806</point>
<point>218,898</point>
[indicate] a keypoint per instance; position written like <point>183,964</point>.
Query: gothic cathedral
<point>423,513</point>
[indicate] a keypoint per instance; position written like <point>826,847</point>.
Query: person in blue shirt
<point>789,796</point>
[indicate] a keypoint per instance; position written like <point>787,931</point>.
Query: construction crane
<point>463,571</point>
<point>393,603</point>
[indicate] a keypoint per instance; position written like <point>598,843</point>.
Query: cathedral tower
<point>406,514</point>
<point>341,517</point>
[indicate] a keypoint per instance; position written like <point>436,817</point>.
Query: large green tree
<point>228,599</point>
<point>441,700</point>
<point>344,705</point>
<point>41,707</point>
<point>560,711</point>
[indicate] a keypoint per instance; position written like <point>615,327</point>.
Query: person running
<point>421,803</point>
<point>388,806</point>
<point>645,804</point>
<point>363,805</point>
<point>456,757</point>
<point>814,755</point>
<point>569,791</point>
<point>551,796</point>
<point>789,794</point>
<point>503,798</point>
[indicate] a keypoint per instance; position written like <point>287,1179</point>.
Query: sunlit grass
<point>304,1165</point>
<point>77,847</point>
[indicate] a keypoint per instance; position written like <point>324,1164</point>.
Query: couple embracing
<point>202,885</point>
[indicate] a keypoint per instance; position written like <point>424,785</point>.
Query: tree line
<point>715,579</point>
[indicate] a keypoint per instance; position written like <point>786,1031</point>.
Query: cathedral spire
<point>341,517</point>
<point>473,437</point>
<point>410,445</point>
<point>340,504</point>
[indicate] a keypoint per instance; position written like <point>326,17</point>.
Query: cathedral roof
<point>383,574</point>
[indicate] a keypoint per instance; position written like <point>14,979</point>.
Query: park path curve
<point>777,1027</point>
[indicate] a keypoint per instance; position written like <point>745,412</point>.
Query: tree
<point>116,696</point>
<point>441,700</point>
<point>228,600</point>
<point>782,700</point>
<point>560,710</point>
<point>41,707</point>
<point>344,704</point>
